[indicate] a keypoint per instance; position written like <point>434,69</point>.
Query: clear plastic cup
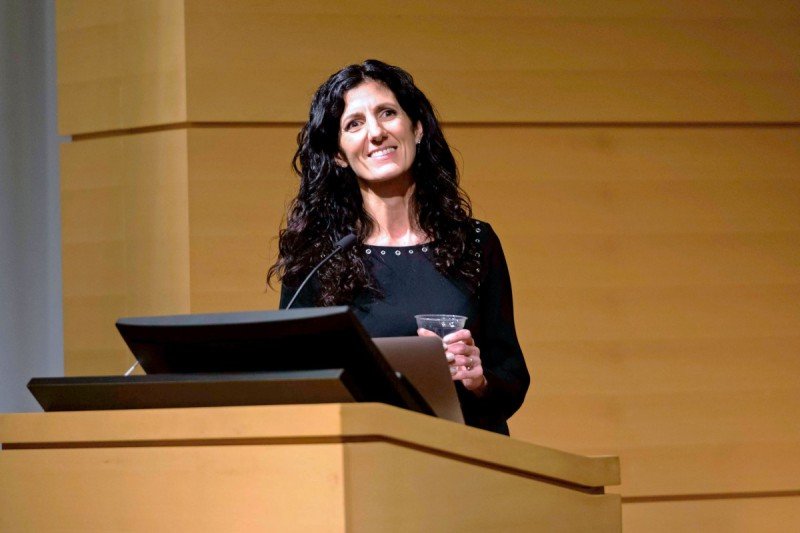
<point>441,324</point>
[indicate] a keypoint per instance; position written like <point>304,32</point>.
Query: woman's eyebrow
<point>352,114</point>
<point>385,105</point>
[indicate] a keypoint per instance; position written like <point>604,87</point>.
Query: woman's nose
<point>375,131</point>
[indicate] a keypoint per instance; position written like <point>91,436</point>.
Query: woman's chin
<point>385,178</point>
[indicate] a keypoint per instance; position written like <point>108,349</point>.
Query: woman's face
<point>376,137</point>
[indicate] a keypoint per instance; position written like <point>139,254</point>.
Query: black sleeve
<point>501,355</point>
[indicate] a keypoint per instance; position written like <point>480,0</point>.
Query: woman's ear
<point>340,160</point>
<point>418,132</point>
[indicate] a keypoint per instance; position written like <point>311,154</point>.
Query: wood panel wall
<point>639,160</point>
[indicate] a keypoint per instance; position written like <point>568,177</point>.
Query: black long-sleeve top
<point>411,285</point>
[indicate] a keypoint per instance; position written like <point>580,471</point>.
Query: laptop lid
<point>422,361</point>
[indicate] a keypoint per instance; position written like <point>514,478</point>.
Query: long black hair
<point>329,204</point>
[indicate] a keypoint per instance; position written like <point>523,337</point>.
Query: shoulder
<point>485,244</point>
<point>483,235</point>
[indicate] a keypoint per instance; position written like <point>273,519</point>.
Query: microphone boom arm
<point>342,244</point>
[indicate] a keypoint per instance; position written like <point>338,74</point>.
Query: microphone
<point>341,245</point>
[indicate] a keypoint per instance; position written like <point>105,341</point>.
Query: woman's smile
<point>382,153</point>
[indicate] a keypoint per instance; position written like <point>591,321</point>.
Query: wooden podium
<point>332,467</point>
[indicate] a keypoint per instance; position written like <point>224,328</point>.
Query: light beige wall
<point>639,160</point>
<point>125,240</point>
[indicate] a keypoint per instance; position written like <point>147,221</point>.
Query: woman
<point>373,161</point>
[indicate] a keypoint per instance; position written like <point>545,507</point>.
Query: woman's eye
<point>389,112</point>
<point>351,125</point>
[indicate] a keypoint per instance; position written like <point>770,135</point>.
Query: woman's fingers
<point>460,348</point>
<point>462,335</point>
<point>467,375</point>
<point>466,360</point>
<point>464,355</point>
<point>467,368</point>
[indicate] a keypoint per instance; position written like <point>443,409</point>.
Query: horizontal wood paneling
<point>689,312</point>
<point>740,515</point>
<point>125,240</point>
<point>678,443</point>
<point>656,283</point>
<point>632,367</point>
<point>204,60</point>
<point>663,260</point>
<point>240,185</point>
<point>657,290</point>
<point>624,156</point>
<point>507,63</point>
<point>120,64</point>
<point>670,206</point>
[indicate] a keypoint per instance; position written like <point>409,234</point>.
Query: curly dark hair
<point>329,203</point>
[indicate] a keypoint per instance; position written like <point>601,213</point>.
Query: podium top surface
<point>303,424</point>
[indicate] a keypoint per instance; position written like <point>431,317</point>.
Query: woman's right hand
<point>464,358</point>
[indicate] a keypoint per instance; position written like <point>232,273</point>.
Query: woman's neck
<point>389,205</point>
